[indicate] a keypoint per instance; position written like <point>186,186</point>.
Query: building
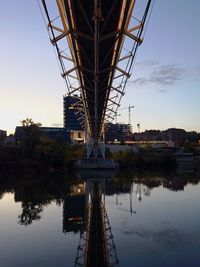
<point>148,135</point>
<point>3,135</point>
<point>74,209</point>
<point>72,120</point>
<point>178,136</point>
<point>51,132</point>
<point>56,132</point>
<point>10,139</point>
<point>117,132</point>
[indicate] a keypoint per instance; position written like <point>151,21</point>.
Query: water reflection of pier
<point>84,211</point>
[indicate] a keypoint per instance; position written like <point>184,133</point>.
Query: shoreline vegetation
<point>48,155</point>
<point>145,158</point>
<point>37,153</point>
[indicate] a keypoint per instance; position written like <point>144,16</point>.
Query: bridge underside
<point>98,39</point>
<point>96,32</point>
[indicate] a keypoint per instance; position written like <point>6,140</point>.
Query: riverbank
<point>49,156</point>
<point>144,159</point>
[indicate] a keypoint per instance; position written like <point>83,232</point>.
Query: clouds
<point>195,73</point>
<point>57,124</point>
<point>147,63</point>
<point>169,238</point>
<point>165,75</point>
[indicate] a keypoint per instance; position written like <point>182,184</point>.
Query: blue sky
<point>164,86</point>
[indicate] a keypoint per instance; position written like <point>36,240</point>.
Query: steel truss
<point>82,250</point>
<point>80,257</point>
<point>99,97</point>
<point>112,252</point>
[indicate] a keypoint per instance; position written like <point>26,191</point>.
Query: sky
<point>164,87</point>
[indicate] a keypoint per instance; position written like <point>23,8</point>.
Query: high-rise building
<point>72,119</point>
<point>74,209</point>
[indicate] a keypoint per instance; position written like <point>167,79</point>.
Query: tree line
<point>36,151</point>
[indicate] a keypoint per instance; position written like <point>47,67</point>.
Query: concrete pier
<point>95,164</point>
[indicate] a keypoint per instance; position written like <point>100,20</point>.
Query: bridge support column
<point>95,150</point>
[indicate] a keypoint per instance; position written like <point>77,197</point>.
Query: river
<point>153,219</point>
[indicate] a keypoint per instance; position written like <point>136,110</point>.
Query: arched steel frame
<point>96,43</point>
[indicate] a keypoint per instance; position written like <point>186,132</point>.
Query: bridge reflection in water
<point>84,211</point>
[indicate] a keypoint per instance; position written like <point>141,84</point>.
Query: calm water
<point>154,221</point>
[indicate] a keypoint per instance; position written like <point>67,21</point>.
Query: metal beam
<point>50,25</point>
<point>125,57</point>
<point>85,16</point>
<point>139,26</point>
<point>134,37</point>
<point>111,110</point>
<point>122,71</point>
<point>65,57</point>
<point>117,90</point>
<point>109,35</point>
<point>69,71</point>
<point>59,37</point>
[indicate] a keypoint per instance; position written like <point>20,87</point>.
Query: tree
<point>28,122</point>
<point>30,212</point>
<point>31,136</point>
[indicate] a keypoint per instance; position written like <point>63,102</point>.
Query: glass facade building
<point>71,119</point>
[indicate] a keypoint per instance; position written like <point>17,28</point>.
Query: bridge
<point>96,43</point>
<point>96,245</point>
